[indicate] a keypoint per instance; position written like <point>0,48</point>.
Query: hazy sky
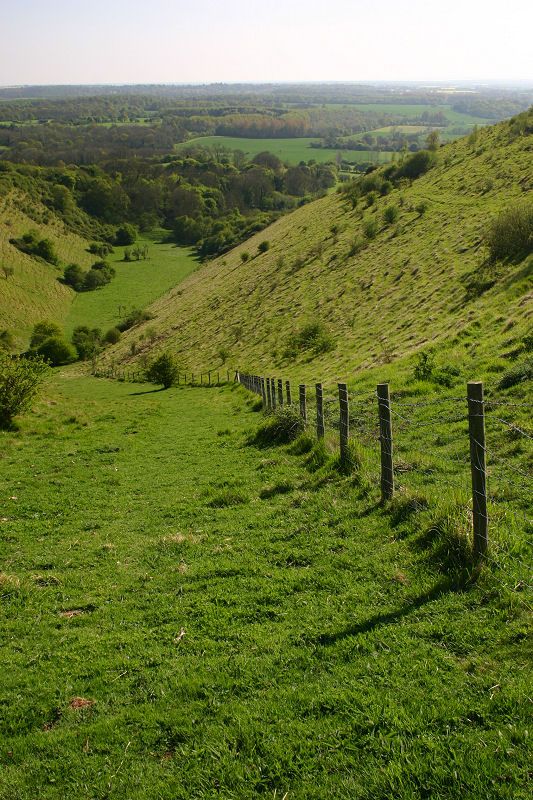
<point>176,41</point>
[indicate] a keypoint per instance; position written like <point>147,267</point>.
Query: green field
<point>136,284</point>
<point>416,110</point>
<point>291,151</point>
<point>185,616</point>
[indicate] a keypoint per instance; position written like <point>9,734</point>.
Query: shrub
<point>356,245</point>
<point>421,208</point>
<point>112,336</point>
<point>245,257</point>
<point>101,249</point>
<point>416,165</point>
<point>56,351</point>
<point>20,379</point>
<point>125,235</point>
<point>263,247</point>
<point>424,367</point>
<point>510,234</point>
<point>7,341</point>
<point>282,427</point>
<point>42,331</point>
<point>163,370</point>
<point>370,229</point>
<point>135,317</point>
<point>523,371</point>
<point>74,276</point>
<point>86,341</point>
<point>42,248</point>
<point>390,214</point>
<point>314,336</point>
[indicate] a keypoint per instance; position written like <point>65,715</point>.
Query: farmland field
<point>290,150</point>
<point>415,110</point>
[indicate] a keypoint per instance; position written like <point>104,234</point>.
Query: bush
<point>125,235</point>
<point>74,277</point>
<point>112,336</point>
<point>510,234</point>
<point>523,371</point>
<point>390,214</point>
<point>42,331</point>
<point>135,317</point>
<point>421,208</point>
<point>7,340</point>
<point>163,370</point>
<point>245,257</point>
<point>416,165</point>
<point>370,229</point>
<point>56,351</point>
<point>282,427</point>
<point>20,379</point>
<point>263,247</point>
<point>87,341</point>
<point>42,248</point>
<point>356,245</point>
<point>313,336</point>
<point>101,249</point>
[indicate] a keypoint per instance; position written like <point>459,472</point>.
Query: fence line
<point>333,413</point>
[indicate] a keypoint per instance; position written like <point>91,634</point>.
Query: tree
<point>56,351</point>
<point>164,369</point>
<point>112,336</point>
<point>87,341</point>
<point>263,246</point>
<point>20,379</point>
<point>74,276</point>
<point>432,140</point>
<point>42,331</point>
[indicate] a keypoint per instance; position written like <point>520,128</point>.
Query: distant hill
<point>422,280</point>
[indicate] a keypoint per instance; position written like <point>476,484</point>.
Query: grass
<point>136,284</point>
<point>283,640</point>
<point>291,151</point>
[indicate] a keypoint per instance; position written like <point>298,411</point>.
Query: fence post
<point>288,392</point>
<point>280,392</point>
<point>344,421</point>
<point>319,412</point>
<point>268,393</point>
<point>303,402</point>
<point>478,466</point>
<point>209,377</point>
<point>385,438</point>
<point>273,393</point>
<point>263,392</point>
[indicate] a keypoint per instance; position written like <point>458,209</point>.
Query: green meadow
<point>135,285</point>
<point>291,151</point>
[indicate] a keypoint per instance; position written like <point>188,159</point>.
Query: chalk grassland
<point>34,292</point>
<point>135,285</point>
<point>187,616</point>
<point>410,287</point>
<point>291,151</point>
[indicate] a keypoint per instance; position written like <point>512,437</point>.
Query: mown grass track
<point>188,616</point>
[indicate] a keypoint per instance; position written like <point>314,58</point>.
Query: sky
<point>205,41</point>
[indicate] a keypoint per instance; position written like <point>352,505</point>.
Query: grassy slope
<point>404,292</point>
<point>291,645</point>
<point>135,285</point>
<point>291,151</point>
<point>34,293</point>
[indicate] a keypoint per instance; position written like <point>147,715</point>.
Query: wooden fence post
<point>269,393</point>
<point>209,377</point>
<point>303,402</point>
<point>280,392</point>
<point>478,466</point>
<point>288,392</point>
<point>263,392</point>
<point>344,421</point>
<point>319,412</point>
<point>273,393</point>
<point>385,438</point>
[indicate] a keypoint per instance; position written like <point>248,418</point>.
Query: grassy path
<point>186,616</point>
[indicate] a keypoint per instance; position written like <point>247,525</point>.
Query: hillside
<point>423,280</point>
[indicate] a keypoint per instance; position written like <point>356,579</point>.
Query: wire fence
<point>477,450</point>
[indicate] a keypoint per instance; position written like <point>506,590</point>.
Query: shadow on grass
<point>443,587</point>
<point>148,391</point>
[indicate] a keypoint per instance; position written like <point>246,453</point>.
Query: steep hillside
<point>422,280</point>
<point>33,292</point>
